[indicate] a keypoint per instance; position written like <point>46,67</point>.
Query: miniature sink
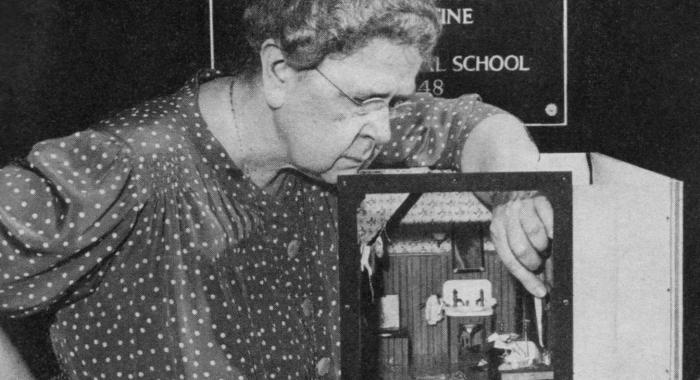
<point>467,298</point>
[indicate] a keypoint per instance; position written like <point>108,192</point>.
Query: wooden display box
<point>615,310</point>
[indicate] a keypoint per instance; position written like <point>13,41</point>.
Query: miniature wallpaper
<point>426,226</point>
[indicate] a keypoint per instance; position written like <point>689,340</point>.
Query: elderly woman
<point>194,236</point>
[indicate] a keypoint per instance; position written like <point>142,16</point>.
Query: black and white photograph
<point>349,189</point>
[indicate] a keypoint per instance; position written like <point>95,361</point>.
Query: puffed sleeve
<point>63,213</point>
<point>429,131</point>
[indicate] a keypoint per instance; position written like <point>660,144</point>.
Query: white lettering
<point>463,16</point>
<point>436,87</point>
<point>482,63</point>
<point>434,66</point>
<point>489,63</point>
<point>492,63</point>
<point>512,59</point>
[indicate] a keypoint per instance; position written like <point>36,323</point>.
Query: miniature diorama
<point>607,259</point>
<point>435,301</point>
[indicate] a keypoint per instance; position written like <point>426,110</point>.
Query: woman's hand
<point>521,224</point>
<point>521,228</point>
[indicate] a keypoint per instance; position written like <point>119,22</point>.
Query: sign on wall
<point>511,52</point>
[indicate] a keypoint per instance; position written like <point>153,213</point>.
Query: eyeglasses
<point>365,106</point>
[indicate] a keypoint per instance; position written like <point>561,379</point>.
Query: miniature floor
<point>405,373</point>
<point>432,370</point>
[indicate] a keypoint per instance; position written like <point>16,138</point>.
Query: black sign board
<point>511,52</point>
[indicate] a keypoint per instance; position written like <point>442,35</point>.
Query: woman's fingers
<point>526,277</point>
<point>521,230</point>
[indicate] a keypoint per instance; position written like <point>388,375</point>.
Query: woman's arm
<point>11,364</point>
<point>499,143</point>
<point>466,134</point>
<point>522,221</point>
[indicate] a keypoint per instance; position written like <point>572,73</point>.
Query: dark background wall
<point>634,87</point>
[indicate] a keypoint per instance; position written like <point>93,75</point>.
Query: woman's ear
<point>277,75</point>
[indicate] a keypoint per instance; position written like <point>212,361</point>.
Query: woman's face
<point>327,134</point>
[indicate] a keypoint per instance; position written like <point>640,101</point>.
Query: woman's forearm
<point>499,143</point>
<point>11,364</point>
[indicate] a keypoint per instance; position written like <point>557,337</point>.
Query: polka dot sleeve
<point>62,214</point>
<point>428,131</point>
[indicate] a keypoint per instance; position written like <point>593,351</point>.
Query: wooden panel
<point>628,265</point>
<point>504,290</point>
<point>414,278</point>
<point>395,351</point>
<point>647,281</point>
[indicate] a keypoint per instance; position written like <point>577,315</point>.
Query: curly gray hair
<point>309,30</point>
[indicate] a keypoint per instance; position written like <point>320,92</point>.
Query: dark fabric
<point>162,260</point>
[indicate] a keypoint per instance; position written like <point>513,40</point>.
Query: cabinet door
<point>627,273</point>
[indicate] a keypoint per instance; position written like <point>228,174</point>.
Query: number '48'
<point>435,86</point>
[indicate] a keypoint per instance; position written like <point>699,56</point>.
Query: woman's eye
<point>371,100</point>
<point>395,102</point>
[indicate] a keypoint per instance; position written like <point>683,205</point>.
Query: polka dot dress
<point>161,260</point>
<point>429,131</point>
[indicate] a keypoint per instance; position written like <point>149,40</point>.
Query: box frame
<point>352,190</point>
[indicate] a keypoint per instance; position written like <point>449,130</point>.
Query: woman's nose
<point>377,126</point>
